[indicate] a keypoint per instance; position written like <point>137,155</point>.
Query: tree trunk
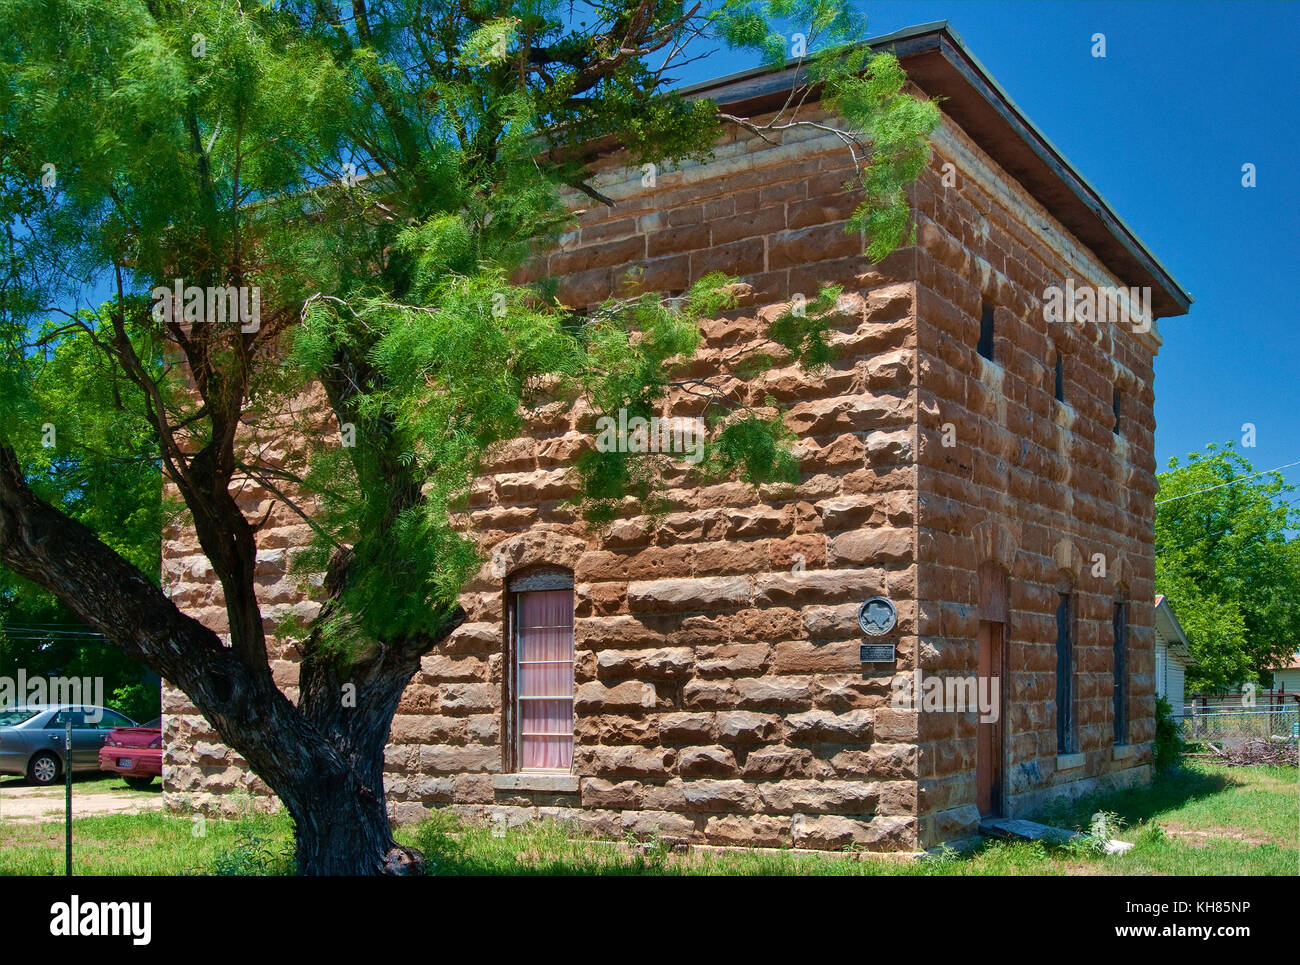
<point>338,806</point>
<point>324,760</point>
<point>340,831</point>
<point>341,824</point>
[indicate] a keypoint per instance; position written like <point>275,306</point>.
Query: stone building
<point>987,472</point>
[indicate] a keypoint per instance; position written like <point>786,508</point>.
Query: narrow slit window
<point>1064,675</point>
<point>985,346</point>
<point>1115,400</point>
<point>1060,377</point>
<point>1119,627</point>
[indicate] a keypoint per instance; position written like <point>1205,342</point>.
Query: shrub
<point>436,838</point>
<point>253,854</point>
<point>1102,830</point>
<point>1168,747</point>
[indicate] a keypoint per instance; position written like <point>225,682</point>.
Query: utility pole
<point>67,796</point>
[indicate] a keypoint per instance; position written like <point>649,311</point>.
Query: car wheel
<point>139,783</point>
<point>43,769</point>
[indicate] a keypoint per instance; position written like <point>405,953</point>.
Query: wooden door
<point>989,752</point>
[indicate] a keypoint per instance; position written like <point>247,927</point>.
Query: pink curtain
<point>545,682</point>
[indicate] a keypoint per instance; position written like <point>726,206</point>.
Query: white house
<point>1173,656</point>
<point>1286,679</point>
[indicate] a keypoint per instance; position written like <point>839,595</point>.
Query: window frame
<point>77,715</point>
<point>537,579</point>
<point>984,347</point>
<point>1119,670</point>
<point>1066,741</point>
<point>105,721</point>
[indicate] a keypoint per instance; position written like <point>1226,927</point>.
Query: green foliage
<point>438,838</point>
<point>255,853</point>
<point>755,449</point>
<point>226,160</point>
<point>871,97</point>
<point>111,94</point>
<point>1225,561</point>
<point>802,329</point>
<point>380,173</point>
<point>140,701</point>
<point>1167,746</point>
<point>101,467</point>
<point>1104,828</point>
<point>866,88</point>
<point>495,345</point>
<point>101,461</point>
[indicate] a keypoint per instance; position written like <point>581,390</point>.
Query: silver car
<point>32,739</point>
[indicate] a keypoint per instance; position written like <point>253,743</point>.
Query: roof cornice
<point>939,63</point>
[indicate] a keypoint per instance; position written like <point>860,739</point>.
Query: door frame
<point>998,640</point>
<point>994,600</point>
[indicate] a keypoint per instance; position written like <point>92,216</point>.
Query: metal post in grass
<point>67,795</point>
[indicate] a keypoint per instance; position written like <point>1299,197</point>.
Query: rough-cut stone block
<point>757,831</point>
<point>821,725</point>
<point>684,596</point>
<point>604,794</point>
<point>711,761</point>
<point>654,664</point>
<point>745,727</point>
<point>629,695</point>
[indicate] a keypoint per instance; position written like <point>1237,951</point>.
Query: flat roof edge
<point>1130,260</point>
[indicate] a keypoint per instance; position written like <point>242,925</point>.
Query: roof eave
<point>938,62</point>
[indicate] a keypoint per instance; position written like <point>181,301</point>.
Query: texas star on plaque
<point>877,616</point>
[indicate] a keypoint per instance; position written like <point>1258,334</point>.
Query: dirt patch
<point>1088,869</point>
<point>1205,837</point>
<point>31,805</point>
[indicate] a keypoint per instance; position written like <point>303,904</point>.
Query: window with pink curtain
<point>544,680</point>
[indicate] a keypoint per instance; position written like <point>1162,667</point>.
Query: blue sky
<point>1188,92</point>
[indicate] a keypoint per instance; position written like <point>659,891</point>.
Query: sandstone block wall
<point>719,695</point>
<point>1043,488</point>
<point>718,692</point>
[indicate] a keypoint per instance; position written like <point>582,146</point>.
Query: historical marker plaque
<point>877,616</point>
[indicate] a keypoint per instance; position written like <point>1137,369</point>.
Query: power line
<point>36,628</point>
<point>38,623</point>
<point>1207,535</point>
<point>1231,482</point>
<point>38,638</point>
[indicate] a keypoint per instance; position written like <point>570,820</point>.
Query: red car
<point>134,752</point>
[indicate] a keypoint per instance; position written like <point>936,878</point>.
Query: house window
<point>542,673</point>
<point>1115,399</point>
<point>1119,627</point>
<point>1060,377</point>
<point>1064,675</point>
<point>985,346</point>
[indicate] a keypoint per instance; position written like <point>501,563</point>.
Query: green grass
<point>139,844</point>
<point>86,782</point>
<point>1200,820</point>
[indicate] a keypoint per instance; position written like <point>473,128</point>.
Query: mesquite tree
<point>1227,561</point>
<point>361,179</point>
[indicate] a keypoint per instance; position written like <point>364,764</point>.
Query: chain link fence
<point>1227,721</point>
